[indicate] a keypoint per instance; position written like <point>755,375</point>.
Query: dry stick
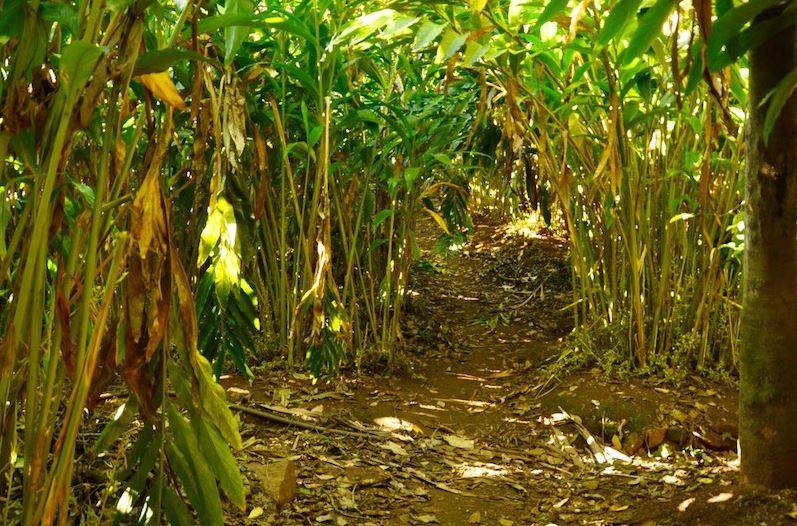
<point>297,423</point>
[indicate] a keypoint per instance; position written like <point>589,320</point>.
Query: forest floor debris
<point>475,433</point>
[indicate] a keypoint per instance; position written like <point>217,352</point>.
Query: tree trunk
<point>768,360</point>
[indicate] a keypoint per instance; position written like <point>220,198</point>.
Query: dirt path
<point>474,432</point>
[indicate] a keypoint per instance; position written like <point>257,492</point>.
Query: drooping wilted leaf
<point>160,84</point>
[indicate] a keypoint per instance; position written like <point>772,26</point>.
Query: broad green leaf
<point>618,19</point>
<point>221,461</point>
<point>161,59</point>
<point>283,22</point>
<point>450,44</point>
<point>649,28</point>
<point>12,19</point>
<point>227,263</point>
<point>234,36</point>
<point>519,12</point>
<point>86,191</point>
<point>210,235</point>
<point>62,13</point>
<point>369,116</point>
<point>696,72</point>
<point>364,25</point>
<point>442,158</point>
<point>552,9</point>
<point>314,135</point>
<point>196,476</point>
<point>77,64</point>
<point>120,423</point>
<point>211,24</point>
<point>728,26</point>
<point>777,99</point>
<point>176,510</point>
<point>426,34</point>
<point>755,35</point>
<point>473,52</point>
<point>398,25</point>
<point>380,217</point>
<point>182,468</point>
<point>410,175</point>
<point>213,401</point>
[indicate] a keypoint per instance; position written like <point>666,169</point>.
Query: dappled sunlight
<point>392,423</point>
<point>530,225</point>
<point>480,470</point>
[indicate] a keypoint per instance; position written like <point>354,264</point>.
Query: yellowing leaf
<point>161,85</point>
<point>439,220</point>
<point>476,6</point>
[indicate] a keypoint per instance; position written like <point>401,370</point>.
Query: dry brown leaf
<point>459,442</point>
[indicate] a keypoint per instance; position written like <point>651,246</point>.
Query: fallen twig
<point>298,423</point>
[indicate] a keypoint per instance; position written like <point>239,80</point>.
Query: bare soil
<point>476,431</point>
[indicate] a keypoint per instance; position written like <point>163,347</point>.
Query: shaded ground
<point>477,433</point>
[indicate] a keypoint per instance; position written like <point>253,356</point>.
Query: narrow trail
<point>474,431</point>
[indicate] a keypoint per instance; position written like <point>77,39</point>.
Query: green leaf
<point>473,52</point>
<point>696,71</point>
<point>426,34</point>
<point>219,457</point>
<point>442,158</point>
<point>397,26</point>
<point>729,26</point>
<point>86,191</point>
<point>162,59</point>
<point>212,24</point>
<point>553,8</point>
<point>194,472</point>
<point>62,13</point>
<point>234,36</point>
<point>476,6</point>
<point>210,235</point>
<point>618,19</point>
<point>214,403</point>
<point>755,35</point>
<point>365,25</point>
<point>284,22</point>
<point>369,116</point>
<point>113,430</point>
<point>77,64</point>
<point>410,175</point>
<point>176,511</point>
<point>450,44</point>
<point>777,99</point>
<point>519,12</point>
<point>12,19</point>
<point>380,217</point>
<point>314,135</point>
<point>649,28</point>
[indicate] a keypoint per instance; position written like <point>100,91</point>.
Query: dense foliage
<point>191,184</point>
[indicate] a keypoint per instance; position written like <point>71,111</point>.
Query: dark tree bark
<point>768,360</point>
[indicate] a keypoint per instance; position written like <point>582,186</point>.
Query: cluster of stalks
<point>638,161</point>
<point>651,196</point>
<point>191,183</point>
